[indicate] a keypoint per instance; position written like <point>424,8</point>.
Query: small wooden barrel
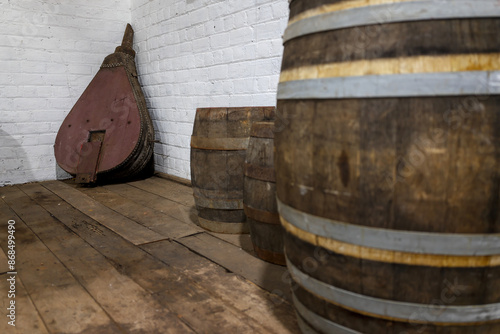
<point>387,165</point>
<point>218,146</point>
<point>259,198</point>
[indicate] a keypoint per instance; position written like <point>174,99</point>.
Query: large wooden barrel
<point>259,197</point>
<point>387,165</point>
<point>218,147</point>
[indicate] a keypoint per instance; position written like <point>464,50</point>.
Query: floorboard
<point>156,221</point>
<point>184,213</point>
<point>242,241</point>
<point>260,305</point>
<point>168,189</point>
<point>269,276</point>
<point>111,289</point>
<point>28,320</point>
<point>127,228</point>
<point>64,304</point>
<point>130,258</point>
<point>4,267</point>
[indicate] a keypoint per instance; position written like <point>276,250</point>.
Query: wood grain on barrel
<point>399,162</point>
<point>260,194</point>
<point>425,162</point>
<point>218,148</point>
<point>444,38</point>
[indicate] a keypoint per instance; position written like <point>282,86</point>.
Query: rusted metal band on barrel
<point>393,240</point>
<point>260,173</point>
<point>219,144</point>
<point>223,204</point>
<point>391,12</point>
<point>320,323</point>
<point>261,215</point>
<point>270,256</point>
<point>223,227</point>
<point>394,310</point>
<point>396,85</point>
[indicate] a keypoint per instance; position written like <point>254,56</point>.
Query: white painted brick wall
<point>204,53</point>
<point>49,52</point>
<point>190,54</point>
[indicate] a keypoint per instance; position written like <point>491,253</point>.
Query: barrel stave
<point>218,149</point>
<point>438,38</point>
<point>260,195</point>
<point>389,124</point>
<point>379,155</point>
<point>393,281</point>
<point>256,195</point>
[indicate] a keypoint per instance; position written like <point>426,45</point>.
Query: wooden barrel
<point>387,165</point>
<point>218,146</point>
<point>259,197</point>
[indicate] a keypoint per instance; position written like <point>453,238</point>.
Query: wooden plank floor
<point>130,258</point>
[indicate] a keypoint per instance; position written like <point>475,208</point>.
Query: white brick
<point>248,52</point>
<point>265,49</point>
<point>218,72</point>
<point>80,69</point>
<point>201,45</point>
<point>264,13</point>
<point>263,84</point>
<point>190,54</point>
<point>219,40</point>
<point>268,30</point>
<point>9,91</point>
<point>199,31</point>
<point>27,104</point>
<point>50,69</point>
<point>242,36</point>
<point>229,23</point>
<point>216,11</point>
<point>240,19</point>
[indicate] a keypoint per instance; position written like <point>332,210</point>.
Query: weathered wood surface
<point>166,284</point>
<point>139,193</point>
<point>110,288</point>
<point>142,196</point>
<point>271,277</point>
<point>218,145</point>
<point>28,320</point>
<point>259,197</point>
<point>173,178</point>
<point>4,267</point>
<point>168,189</point>
<point>97,272</point>
<point>125,227</point>
<point>66,307</point>
<point>229,287</point>
<point>242,241</point>
<point>425,162</point>
<point>158,222</point>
